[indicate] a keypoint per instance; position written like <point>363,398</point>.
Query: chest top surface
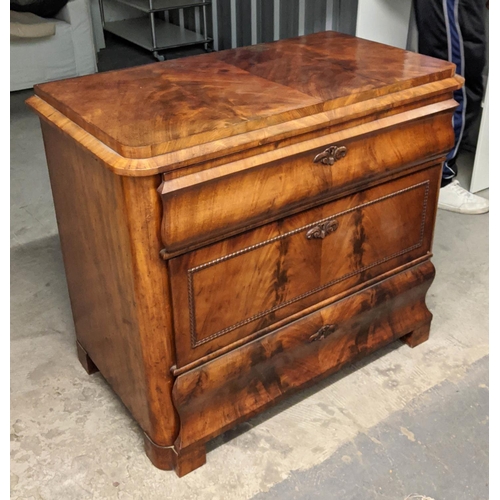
<point>163,107</point>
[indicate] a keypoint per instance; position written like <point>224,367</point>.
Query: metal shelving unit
<point>153,33</point>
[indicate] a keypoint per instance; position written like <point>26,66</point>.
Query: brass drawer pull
<point>322,230</point>
<point>322,333</point>
<point>330,155</point>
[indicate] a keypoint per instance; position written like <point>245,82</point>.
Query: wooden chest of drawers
<point>240,224</point>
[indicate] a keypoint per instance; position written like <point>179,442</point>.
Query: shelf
<point>138,31</point>
<point>163,5</point>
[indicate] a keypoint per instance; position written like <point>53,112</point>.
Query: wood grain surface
<point>232,388</point>
<point>206,205</point>
<point>276,270</point>
<point>217,151</point>
<point>118,285</point>
<point>154,109</point>
<point>238,225</point>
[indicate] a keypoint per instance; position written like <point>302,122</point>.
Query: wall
<point>236,23</point>
<point>384,21</point>
<point>244,22</point>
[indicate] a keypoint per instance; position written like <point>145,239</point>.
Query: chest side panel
<point>91,219</point>
<point>118,286</point>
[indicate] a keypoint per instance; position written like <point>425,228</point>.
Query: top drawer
<point>207,205</point>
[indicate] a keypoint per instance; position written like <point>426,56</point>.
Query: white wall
<point>480,173</point>
<point>97,25</point>
<point>384,21</point>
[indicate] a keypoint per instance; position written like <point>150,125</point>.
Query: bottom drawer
<point>217,395</point>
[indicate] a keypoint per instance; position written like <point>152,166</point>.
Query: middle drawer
<point>229,290</point>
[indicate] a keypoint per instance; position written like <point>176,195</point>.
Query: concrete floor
<point>399,423</point>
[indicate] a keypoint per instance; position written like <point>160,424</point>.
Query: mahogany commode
<point>239,224</point>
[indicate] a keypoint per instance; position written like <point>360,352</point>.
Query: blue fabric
<point>454,30</point>
<point>455,55</point>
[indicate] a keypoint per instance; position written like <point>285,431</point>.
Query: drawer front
<point>227,291</point>
<point>204,206</point>
<point>219,394</point>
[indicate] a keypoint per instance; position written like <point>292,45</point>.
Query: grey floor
<point>399,423</point>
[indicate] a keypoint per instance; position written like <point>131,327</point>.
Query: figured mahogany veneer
<point>284,267</point>
<point>238,225</point>
<point>206,205</point>
<point>265,370</point>
<point>254,87</point>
